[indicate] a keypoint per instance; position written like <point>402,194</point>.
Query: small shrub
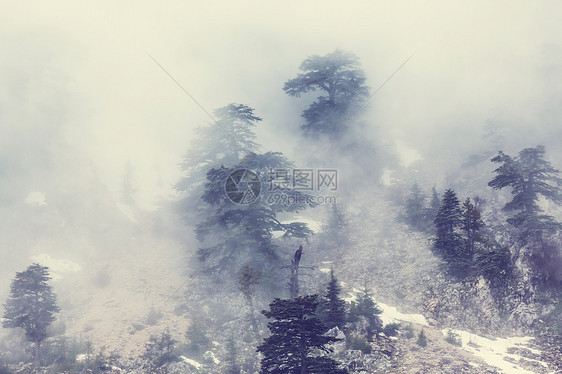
<point>198,341</point>
<point>391,329</point>
<point>358,343</point>
<point>409,331</point>
<point>422,339</point>
<point>453,338</point>
<point>160,351</point>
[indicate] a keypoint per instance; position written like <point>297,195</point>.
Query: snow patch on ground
<point>56,266</point>
<point>191,362</point>
<point>390,315</point>
<point>36,198</point>
<point>494,351</point>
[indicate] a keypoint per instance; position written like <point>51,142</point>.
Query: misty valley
<point>305,232</point>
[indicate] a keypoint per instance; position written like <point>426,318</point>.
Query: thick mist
<point>100,102</point>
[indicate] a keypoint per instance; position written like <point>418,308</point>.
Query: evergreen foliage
<point>31,305</point>
<point>409,331</point>
<point>415,211</point>
<point>365,308</point>
<point>448,243</point>
<point>471,225</point>
<point>335,233</point>
<point>339,76</point>
<point>391,329</point>
<point>430,212</point>
<point>422,339</point>
<point>248,278</point>
<point>494,263</point>
<point>235,234</point>
<point>332,310</point>
<point>531,178</point>
<point>224,142</point>
<point>231,359</point>
<point>197,340</point>
<point>453,338</point>
<point>160,352</point>
<point>297,336</point>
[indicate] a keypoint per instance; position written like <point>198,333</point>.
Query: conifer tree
<point>365,307</point>
<point>31,305</point>
<point>415,208</point>
<point>332,308</point>
<point>297,336</point>
<point>449,243</point>
<point>335,233</point>
<point>235,233</point>
<point>447,223</point>
<point>339,76</point>
<point>471,225</point>
<point>432,209</point>
<point>160,352</point>
<point>248,278</point>
<point>531,177</point>
<point>422,339</point>
<point>223,142</point>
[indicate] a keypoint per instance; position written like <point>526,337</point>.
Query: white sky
<point>474,61</point>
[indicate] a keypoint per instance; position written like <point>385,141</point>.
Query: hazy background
<point>78,74</point>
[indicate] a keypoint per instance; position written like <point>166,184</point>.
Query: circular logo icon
<point>242,186</point>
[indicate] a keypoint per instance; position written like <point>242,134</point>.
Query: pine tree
<point>531,177</point>
<point>447,223</point>
<point>339,76</point>
<point>31,305</point>
<point>224,142</point>
<point>471,225</point>
<point>432,209</point>
<point>197,338</point>
<point>332,308</point>
<point>415,208</point>
<point>422,339</point>
<point>335,234</point>
<point>297,336</point>
<point>449,243</point>
<point>160,352</point>
<point>236,233</point>
<point>248,278</point>
<point>366,308</point>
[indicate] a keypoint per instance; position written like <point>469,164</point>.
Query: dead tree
<point>294,282</point>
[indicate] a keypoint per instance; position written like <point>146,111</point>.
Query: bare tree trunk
<point>294,283</point>
<point>253,321</point>
<point>37,360</point>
